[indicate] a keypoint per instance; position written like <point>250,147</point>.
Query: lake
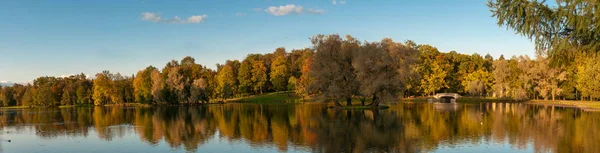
<point>307,127</point>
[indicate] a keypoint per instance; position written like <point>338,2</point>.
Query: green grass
<point>269,98</point>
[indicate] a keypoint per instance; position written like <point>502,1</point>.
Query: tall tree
<point>332,68</point>
<point>500,73</point>
<point>158,87</point>
<point>103,88</point>
<point>259,76</point>
<point>381,68</point>
<point>305,80</point>
<point>142,85</point>
<point>245,77</point>
<point>198,91</point>
<point>176,84</point>
<point>226,81</point>
<point>279,73</point>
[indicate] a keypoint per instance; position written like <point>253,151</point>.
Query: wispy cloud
<point>291,9</point>
<point>316,11</point>
<point>149,16</point>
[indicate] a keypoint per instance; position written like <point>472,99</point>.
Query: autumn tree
<point>479,82</point>
<point>142,85</point>
<point>548,79</point>
<point>305,80</point>
<point>245,76</point>
<point>198,92</point>
<point>431,69</point>
<point>381,68</point>
<point>103,88</point>
<point>259,76</point>
<point>500,73</point>
<point>279,73</point>
<point>176,85</point>
<point>226,81</point>
<point>158,87</point>
<point>332,69</point>
<point>588,80</point>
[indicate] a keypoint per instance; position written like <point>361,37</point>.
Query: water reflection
<point>313,127</point>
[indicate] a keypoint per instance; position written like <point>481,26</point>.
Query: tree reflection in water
<point>312,126</point>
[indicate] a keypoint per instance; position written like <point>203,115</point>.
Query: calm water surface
<point>309,127</point>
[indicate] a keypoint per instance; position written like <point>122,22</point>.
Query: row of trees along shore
<point>335,68</point>
<point>566,35</point>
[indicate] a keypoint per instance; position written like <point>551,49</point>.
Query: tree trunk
<point>348,101</point>
<point>362,101</point>
<point>375,102</point>
<point>337,103</point>
<point>552,97</point>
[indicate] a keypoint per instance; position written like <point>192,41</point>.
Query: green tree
<point>559,31</point>
<point>479,82</point>
<point>28,97</point>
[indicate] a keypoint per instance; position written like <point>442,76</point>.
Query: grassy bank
<point>461,100</point>
<point>585,105</point>
<point>269,98</point>
<point>14,107</point>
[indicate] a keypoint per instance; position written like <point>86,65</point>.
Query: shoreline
<point>591,106</point>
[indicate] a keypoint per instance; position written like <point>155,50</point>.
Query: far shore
<point>584,105</point>
<point>278,97</point>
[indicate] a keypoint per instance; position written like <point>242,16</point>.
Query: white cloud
<point>149,16</point>
<point>284,10</point>
<point>291,8</point>
<point>334,2</point>
<point>342,2</point>
<point>196,18</point>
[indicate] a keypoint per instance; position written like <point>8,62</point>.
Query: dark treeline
<point>335,68</point>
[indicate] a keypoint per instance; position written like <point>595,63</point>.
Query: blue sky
<point>54,38</point>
